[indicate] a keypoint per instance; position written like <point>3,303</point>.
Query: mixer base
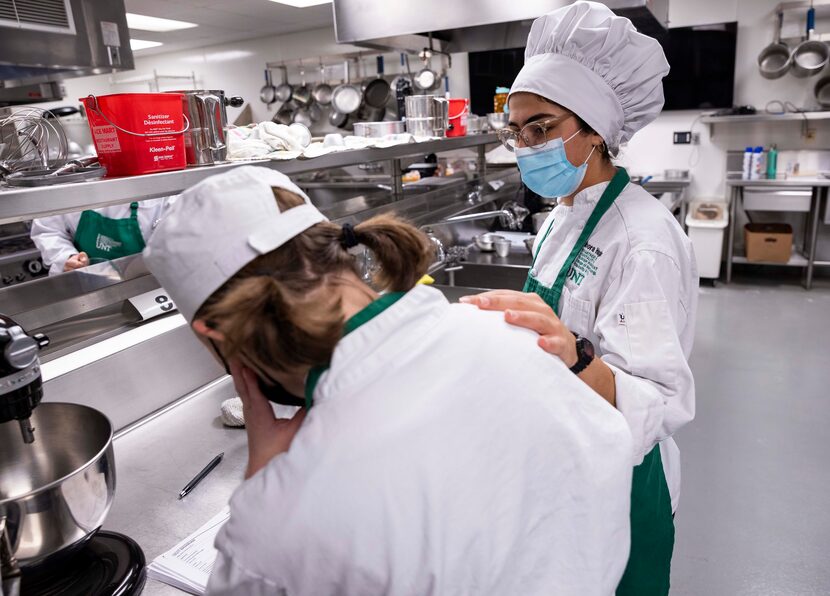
<point>110,564</point>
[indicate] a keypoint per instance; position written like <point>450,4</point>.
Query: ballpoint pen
<point>201,475</point>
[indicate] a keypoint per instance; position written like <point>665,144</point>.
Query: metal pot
<point>322,91</point>
<point>302,94</point>
<point>378,129</point>
<point>56,491</point>
<point>205,142</point>
<point>427,115</point>
<point>810,56</point>
<point>346,98</point>
<point>284,92</point>
<point>775,59</point>
<point>267,94</point>
<point>338,119</point>
<point>822,92</point>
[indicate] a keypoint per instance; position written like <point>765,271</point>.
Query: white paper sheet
<point>187,565</point>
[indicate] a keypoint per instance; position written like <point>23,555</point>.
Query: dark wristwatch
<point>584,354</point>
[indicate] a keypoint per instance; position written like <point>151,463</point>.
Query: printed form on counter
<point>187,565</point>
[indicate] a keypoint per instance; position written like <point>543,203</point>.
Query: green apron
<point>652,526</point>
<point>361,318</point>
<point>106,238</point>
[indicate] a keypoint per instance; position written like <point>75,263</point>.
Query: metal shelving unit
<point>20,204</point>
<point>764,117</point>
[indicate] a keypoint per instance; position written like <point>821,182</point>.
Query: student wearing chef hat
<point>613,286</point>
<point>414,467</point>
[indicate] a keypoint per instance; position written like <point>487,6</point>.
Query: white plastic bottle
<point>747,164</point>
<point>757,165</point>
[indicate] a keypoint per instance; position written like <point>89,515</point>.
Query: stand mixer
<point>57,483</point>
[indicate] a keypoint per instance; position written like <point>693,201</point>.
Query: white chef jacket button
<point>580,225</point>
<point>533,273</point>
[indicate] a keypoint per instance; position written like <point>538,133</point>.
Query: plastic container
<point>747,169</point>
<point>772,163</point>
<point>138,133</point>
<point>706,221</point>
<point>458,111</point>
<point>500,99</point>
<point>757,167</point>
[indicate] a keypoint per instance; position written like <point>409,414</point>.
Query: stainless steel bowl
<point>484,242</point>
<point>56,492</point>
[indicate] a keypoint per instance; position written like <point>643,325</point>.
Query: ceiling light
<point>142,44</point>
<point>302,3</point>
<point>145,23</point>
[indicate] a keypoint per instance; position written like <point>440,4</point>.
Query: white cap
<point>595,64</point>
<point>217,227</point>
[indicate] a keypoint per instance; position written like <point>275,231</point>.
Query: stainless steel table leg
<point>481,162</point>
<point>397,182</point>
<point>730,229</point>
<point>815,211</point>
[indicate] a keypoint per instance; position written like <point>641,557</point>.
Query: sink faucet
<point>511,216</point>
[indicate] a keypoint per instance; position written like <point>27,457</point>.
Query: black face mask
<point>271,389</point>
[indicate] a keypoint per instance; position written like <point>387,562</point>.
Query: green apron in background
<point>106,238</point>
<point>652,527</point>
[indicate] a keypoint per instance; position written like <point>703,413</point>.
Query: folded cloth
<point>231,412</point>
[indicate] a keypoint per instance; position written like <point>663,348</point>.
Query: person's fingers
<point>541,323</point>
<point>239,381</point>
<point>514,301</point>
<point>83,259</point>
<point>553,344</point>
<point>477,298</point>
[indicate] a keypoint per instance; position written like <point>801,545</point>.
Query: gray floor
<point>754,514</point>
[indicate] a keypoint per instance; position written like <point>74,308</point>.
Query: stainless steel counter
<point>795,181</point>
<point>153,463</point>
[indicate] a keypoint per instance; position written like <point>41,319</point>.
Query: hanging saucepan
<point>822,91</point>
<point>338,119</point>
<point>302,94</point>
<point>346,98</point>
<point>775,59</point>
<point>322,91</point>
<point>285,115</point>
<point>426,78</point>
<point>810,56</point>
<point>267,94</point>
<point>284,91</point>
<point>315,112</point>
<point>376,93</point>
<point>302,116</point>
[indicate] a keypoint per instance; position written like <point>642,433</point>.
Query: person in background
<point>613,287</point>
<point>75,240</point>
<point>416,466</point>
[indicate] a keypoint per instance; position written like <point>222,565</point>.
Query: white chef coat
<point>54,236</point>
<point>438,461</point>
<point>632,291</point>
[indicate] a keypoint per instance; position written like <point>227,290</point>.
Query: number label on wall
<point>152,304</point>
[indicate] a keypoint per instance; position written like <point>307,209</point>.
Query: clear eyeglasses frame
<point>533,134</point>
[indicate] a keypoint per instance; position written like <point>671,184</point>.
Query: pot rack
<point>794,14</point>
<point>312,63</point>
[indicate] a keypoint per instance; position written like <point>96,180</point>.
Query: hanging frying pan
<point>810,56</point>
<point>775,60</point>
<point>267,94</point>
<point>376,93</point>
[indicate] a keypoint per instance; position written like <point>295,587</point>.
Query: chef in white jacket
<point>74,240</point>
<point>431,457</point>
<point>613,286</point>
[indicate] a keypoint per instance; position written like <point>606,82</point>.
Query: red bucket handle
<point>97,109</point>
<point>466,110</point>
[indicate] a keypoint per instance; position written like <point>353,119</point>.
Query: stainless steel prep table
<point>155,460</point>
<point>807,259</point>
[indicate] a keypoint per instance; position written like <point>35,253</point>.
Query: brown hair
<point>279,312</point>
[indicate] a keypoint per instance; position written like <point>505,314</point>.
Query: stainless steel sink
<point>483,276</point>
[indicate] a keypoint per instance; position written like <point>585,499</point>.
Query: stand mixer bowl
<point>56,491</point>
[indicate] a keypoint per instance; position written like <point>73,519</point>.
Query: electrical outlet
<point>682,137</point>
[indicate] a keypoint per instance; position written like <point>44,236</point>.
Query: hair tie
<point>349,238</point>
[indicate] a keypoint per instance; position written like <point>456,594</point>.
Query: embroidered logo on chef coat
<point>585,264</point>
<point>106,243</point>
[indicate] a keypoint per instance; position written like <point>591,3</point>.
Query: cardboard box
<point>768,242</point>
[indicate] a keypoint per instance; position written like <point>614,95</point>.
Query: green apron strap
<point>551,295</point>
<point>361,318</point>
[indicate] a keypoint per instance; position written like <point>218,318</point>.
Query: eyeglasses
<point>534,134</point>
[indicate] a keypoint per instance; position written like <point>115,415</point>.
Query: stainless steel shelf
<point>764,117</point>
<point>20,204</point>
<point>796,260</point>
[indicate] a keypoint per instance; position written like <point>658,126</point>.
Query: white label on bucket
<point>109,31</point>
<point>106,139</point>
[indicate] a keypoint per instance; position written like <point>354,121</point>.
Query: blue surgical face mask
<point>547,171</point>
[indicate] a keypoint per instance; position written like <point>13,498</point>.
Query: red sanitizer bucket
<point>138,133</point>
<point>458,110</point>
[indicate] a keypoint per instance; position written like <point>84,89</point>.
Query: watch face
<point>587,348</point>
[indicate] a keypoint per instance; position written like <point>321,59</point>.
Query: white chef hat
<point>217,227</point>
<point>595,64</point>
